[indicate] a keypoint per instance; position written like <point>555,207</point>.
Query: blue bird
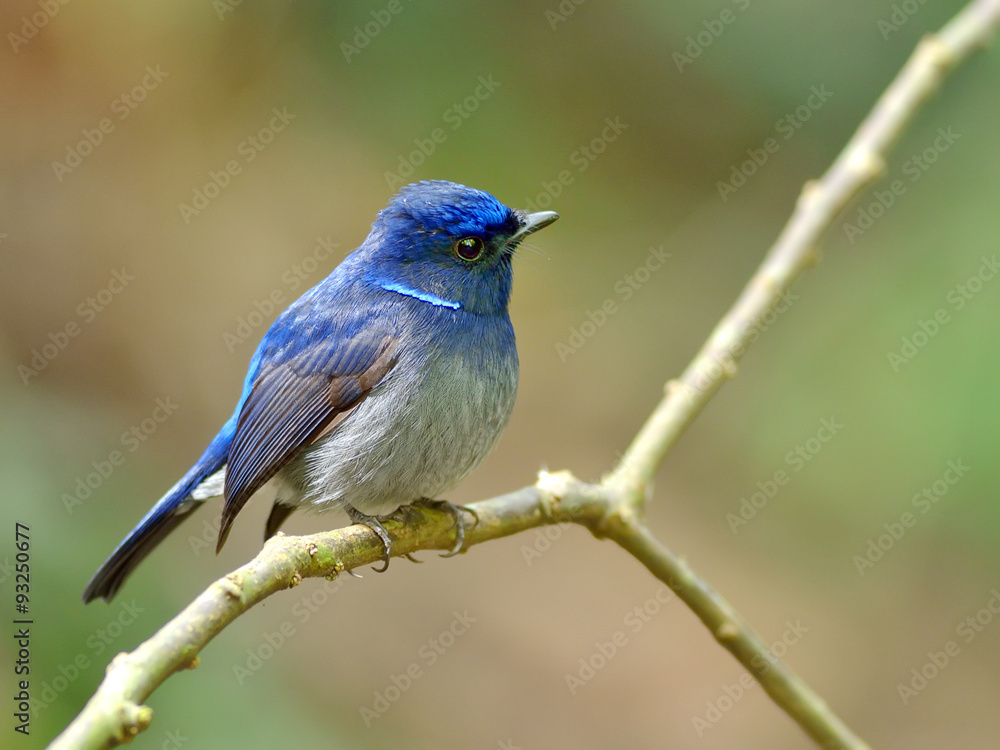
<point>385,384</point>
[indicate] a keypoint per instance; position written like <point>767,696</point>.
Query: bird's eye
<point>470,248</point>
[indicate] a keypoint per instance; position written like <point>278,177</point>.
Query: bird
<point>384,385</point>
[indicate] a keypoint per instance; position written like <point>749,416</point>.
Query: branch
<point>114,714</point>
<point>860,163</point>
<point>786,688</point>
<point>610,509</point>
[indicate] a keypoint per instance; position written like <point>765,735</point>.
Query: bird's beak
<point>534,222</point>
<point>531,223</point>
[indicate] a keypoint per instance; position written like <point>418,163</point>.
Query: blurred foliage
<point>556,73</point>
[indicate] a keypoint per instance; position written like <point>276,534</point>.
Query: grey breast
<point>420,432</point>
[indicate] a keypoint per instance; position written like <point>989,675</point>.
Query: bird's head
<point>449,245</point>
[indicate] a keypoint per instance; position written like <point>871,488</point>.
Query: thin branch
<point>860,163</point>
<point>787,689</point>
<point>612,508</point>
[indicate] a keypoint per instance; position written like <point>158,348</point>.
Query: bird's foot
<point>375,524</point>
<point>455,511</point>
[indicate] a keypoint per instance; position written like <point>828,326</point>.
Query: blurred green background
<point>355,119</point>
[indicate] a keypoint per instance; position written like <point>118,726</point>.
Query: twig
<point>612,508</point>
<point>860,163</point>
<point>787,689</point>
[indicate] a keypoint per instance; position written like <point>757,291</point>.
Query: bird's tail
<point>181,500</point>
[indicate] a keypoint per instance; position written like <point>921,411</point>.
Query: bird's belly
<point>416,436</point>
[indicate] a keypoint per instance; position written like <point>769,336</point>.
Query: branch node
<point>132,719</point>
<point>231,586</point>
<point>338,568</point>
<point>621,512</point>
<point>812,191</point>
<point>311,549</point>
<point>727,632</point>
<point>553,488</point>
<point>296,580</point>
<point>866,163</point>
<point>629,516</point>
<point>938,54</point>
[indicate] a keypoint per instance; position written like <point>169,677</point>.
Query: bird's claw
<point>455,511</point>
<point>373,523</point>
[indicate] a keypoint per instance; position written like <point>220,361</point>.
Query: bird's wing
<point>292,403</point>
